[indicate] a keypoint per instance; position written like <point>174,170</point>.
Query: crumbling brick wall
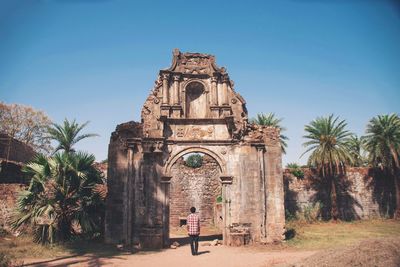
<point>8,197</point>
<point>198,187</point>
<point>362,193</point>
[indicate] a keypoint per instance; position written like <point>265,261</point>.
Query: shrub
<point>310,213</point>
<point>289,216</point>
<point>295,169</point>
<point>292,165</point>
<point>194,161</point>
<point>298,173</point>
<point>219,199</point>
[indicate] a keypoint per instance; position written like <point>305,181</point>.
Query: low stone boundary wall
<point>362,193</point>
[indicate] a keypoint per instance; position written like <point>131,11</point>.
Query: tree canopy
<point>67,134</point>
<point>25,124</point>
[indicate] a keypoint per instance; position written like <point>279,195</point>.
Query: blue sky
<point>97,60</point>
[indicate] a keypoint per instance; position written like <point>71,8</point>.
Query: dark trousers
<point>194,243</point>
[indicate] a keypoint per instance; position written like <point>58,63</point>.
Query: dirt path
<point>210,256</point>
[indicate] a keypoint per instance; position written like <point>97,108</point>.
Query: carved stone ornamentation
<point>180,132</point>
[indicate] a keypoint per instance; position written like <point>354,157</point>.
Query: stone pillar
<point>130,197</point>
<point>176,99</point>
<point>225,90</point>
<point>275,221</point>
<point>226,181</point>
<point>263,200</point>
<point>165,183</point>
<point>165,99</point>
<point>214,92</point>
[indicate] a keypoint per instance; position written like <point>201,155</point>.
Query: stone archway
<point>193,108</point>
<point>220,183</point>
<point>173,158</point>
<point>198,187</point>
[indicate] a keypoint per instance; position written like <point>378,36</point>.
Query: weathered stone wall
<point>362,193</point>
<point>197,187</point>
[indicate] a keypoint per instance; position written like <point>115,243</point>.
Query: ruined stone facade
<point>193,108</point>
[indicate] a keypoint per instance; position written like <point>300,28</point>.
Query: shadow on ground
<point>95,253</point>
<point>88,252</point>
<point>186,240</point>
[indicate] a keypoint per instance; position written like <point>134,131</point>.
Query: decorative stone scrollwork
<point>158,82</point>
<point>146,110</point>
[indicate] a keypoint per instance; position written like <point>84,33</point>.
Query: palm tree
<point>356,146</point>
<point>328,144</point>
<point>382,141</point>
<point>270,119</point>
<point>62,199</point>
<point>67,135</point>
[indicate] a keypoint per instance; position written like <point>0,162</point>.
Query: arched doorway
<point>196,185</point>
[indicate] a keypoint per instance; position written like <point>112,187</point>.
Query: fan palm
<point>382,141</point>
<point>328,144</point>
<point>270,119</point>
<point>67,135</point>
<point>62,198</point>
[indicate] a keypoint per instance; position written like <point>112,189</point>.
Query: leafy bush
<point>298,173</point>
<point>289,216</point>
<point>292,165</point>
<point>219,199</point>
<point>62,199</point>
<point>194,161</point>
<point>295,169</point>
<point>310,213</point>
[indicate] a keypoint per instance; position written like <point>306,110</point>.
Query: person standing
<point>193,228</point>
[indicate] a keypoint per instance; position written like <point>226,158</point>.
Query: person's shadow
<point>203,252</point>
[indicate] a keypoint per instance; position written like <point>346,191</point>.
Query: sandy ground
<point>210,256</point>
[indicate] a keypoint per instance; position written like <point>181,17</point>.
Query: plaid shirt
<point>193,224</point>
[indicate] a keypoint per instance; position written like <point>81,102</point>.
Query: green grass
<point>330,235</point>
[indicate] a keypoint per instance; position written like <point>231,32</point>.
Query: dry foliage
<point>25,124</point>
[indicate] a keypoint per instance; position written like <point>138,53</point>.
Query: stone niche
<point>194,108</point>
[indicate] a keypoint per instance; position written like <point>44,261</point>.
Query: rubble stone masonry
<point>362,193</point>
